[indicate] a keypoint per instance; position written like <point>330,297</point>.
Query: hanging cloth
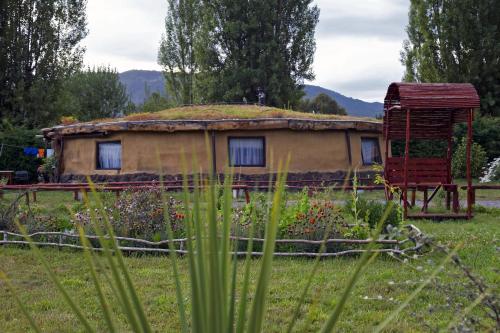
<point>30,151</point>
<point>41,153</point>
<point>50,152</point>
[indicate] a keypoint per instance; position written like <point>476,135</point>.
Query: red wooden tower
<point>428,111</point>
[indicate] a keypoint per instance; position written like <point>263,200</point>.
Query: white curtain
<point>110,155</point>
<point>246,151</point>
<point>370,151</point>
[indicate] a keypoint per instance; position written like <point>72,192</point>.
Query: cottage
<point>250,138</point>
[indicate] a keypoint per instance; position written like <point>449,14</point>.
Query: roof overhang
<point>212,125</point>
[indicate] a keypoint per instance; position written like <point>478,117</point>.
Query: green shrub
<point>371,212</point>
<point>478,160</point>
<point>139,214</point>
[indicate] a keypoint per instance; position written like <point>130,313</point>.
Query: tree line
<point>229,51</point>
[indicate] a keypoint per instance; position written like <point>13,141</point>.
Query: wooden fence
<point>389,245</point>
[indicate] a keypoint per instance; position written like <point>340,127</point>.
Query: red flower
<point>312,220</point>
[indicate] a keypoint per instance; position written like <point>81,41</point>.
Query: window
<point>247,151</point>
<point>370,151</point>
<point>109,155</point>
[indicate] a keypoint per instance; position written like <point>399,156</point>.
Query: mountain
<point>354,107</point>
<point>140,83</point>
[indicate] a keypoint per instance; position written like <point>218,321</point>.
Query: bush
<point>478,160</point>
<point>139,214</point>
<point>486,132</point>
<point>371,212</point>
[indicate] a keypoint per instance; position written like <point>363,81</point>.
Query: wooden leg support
<point>456,204</point>
<point>34,196</point>
<point>448,200</point>
<point>426,202</point>
<point>247,196</point>
<point>413,197</point>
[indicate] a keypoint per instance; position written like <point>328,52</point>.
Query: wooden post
<point>456,203</point>
<point>407,157</point>
<point>247,195</point>
<point>468,157</point>
<point>388,193</point>
<point>426,203</point>
<point>348,145</point>
<point>413,197</point>
<point>34,196</point>
<point>448,160</point>
<point>27,194</point>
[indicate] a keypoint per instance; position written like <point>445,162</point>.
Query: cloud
<point>358,42</point>
<point>388,28</point>
<point>359,67</point>
<point>124,33</point>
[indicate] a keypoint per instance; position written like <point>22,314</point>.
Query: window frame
<point>262,138</point>
<point>377,139</point>
<point>97,167</point>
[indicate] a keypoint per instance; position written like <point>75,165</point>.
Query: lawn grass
<point>385,283</point>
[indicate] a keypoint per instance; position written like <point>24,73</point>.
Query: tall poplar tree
<point>257,45</point>
<point>39,48</point>
<point>456,41</point>
<point>228,50</point>
<point>177,49</point>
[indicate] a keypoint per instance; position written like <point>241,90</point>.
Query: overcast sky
<point>358,42</point>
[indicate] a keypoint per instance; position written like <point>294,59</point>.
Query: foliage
<point>177,49</point>
<point>420,148</point>
<point>94,93</point>
<point>155,102</point>
<point>478,160</point>
<point>68,120</point>
<point>110,276</point>
<point>371,211</point>
<point>39,40</point>
<point>240,48</point>
<point>455,41</point>
<point>48,168</point>
<point>323,104</point>
<point>14,139</point>
<point>138,214</point>
<point>486,132</point>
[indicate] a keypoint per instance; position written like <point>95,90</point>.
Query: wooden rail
<point>84,187</point>
<point>61,237</point>
<point>480,187</point>
<point>118,187</point>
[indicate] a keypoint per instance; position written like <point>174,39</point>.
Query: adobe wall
<point>312,152</point>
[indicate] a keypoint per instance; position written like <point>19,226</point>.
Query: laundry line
<point>33,151</point>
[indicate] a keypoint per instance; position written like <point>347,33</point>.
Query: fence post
<point>60,241</point>
<point>247,195</point>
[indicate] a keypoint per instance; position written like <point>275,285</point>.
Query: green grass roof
<point>220,112</point>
